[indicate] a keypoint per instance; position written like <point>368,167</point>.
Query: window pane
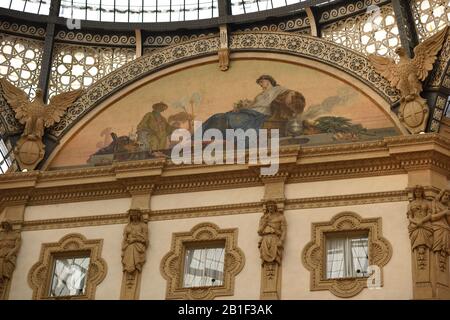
<point>69,276</point>
<point>203,267</point>
<point>335,257</point>
<point>360,256</point>
<point>347,256</point>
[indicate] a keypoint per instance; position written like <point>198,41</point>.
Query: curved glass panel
<point>139,10</point>
<point>32,6</point>
<point>248,6</point>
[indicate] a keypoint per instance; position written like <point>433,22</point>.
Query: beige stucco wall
<point>31,248</point>
<point>346,186</point>
<point>397,273</point>
<point>295,280</point>
<point>247,281</point>
<point>77,209</point>
<point>207,198</point>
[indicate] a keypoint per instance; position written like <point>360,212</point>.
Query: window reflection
<point>203,267</point>
<point>69,277</point>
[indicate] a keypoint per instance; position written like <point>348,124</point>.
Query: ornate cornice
<point>348,9</point>
<point>283,26</point>
<point>22,29</point>
<point>168,40</point>
<point>218,210</point>
<point>393,155</point>
<point>96,39</point>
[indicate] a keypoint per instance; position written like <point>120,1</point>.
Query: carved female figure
<point>272,229</point>
<point>134,245</point>
<point>420,229</point>
<point>419,216</point>
<point>441,227</point>
<point>9,247</point>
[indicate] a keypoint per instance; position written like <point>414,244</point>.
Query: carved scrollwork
<point>40,274</point>
<point>171,264</point>
<point>313,255</point>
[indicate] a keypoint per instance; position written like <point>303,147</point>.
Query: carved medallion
<point>414,115</point>
<point>29,152</point>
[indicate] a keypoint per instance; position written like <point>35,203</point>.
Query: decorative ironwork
<point>22,29</point>
<point>348,9</point>
<point>76,67</point>
<point>374,32</point>
<point>113,40</point>
<point>297,25</point>
<point>20,60</point>
<point>430,16</point>
<point>162,41</point>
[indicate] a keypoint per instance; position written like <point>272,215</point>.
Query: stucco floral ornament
<point>36,116</point>
<point>407,75</point>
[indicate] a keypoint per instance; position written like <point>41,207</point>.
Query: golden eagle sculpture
<point>35,115</point>
<point>406,76</point>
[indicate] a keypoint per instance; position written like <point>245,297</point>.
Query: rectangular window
<point>69,276</point>
<point>346,255</point>
<point>203,267</point>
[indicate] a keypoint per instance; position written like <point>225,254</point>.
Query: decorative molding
<point>39,277</point>
<point>348,9</point>
<point>96,39</point>
<point>75,222</point>
<point>394,155</point>
<point>203,233</point>
<point>219,210</point>
<point>295,24</point>
<point>224,51</point>
<point>22,29</point>
<point>314,254</point>
<point>166,40</point>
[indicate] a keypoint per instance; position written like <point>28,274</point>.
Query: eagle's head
<point>39,95</point>
<point>400,52</point>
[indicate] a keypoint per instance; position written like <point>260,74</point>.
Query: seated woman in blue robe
<point>248,114</point>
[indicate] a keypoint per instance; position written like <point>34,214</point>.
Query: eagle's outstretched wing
<point>17,99</point>
<point>387,68</point>
<point>58,105</point>
<point>425,53</point>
